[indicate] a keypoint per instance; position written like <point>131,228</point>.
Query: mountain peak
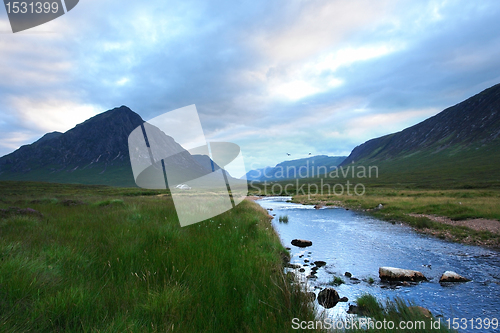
<point>48,136</point>
<point>92,147</point>
<point>93,152</point>
<point>121,112</point>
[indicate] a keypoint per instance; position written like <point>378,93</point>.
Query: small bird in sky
<point>309,153</point>
<point>288,154</point>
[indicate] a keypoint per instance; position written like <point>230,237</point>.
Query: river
<point>353,242</point>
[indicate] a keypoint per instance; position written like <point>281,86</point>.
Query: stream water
<point>352,242</point>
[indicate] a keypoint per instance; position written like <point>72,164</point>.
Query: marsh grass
<point>120,262</point>
<point>396,310</point>
<point>283,219</point>
<point>336,281</point>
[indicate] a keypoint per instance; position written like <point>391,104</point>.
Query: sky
<point>274,77</point>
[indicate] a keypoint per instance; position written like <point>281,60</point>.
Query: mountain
<point>300,168</point>
<point>256,174</point>
<point>93,152</point>
<point>459,145</point>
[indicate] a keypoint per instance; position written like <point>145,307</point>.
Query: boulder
<point>328,298</point>
<point>344,299</point>
<point>398,274</point>
<point>301,242</point>
<point>317,206</point>
<point>348,274</point>
<point>320,263</point>
<point>450,276</point>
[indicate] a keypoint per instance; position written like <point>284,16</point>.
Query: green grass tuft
<point>336,281</point>
<point>283,219</point>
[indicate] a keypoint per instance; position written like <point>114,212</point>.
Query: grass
<point>283,219</point>
<point>396,311</point>
<point>116,260</point>
<point>336,281</point>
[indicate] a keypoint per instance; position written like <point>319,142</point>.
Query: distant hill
<point>300,168</point>
<point>459,145</point>
<point>93,152</point>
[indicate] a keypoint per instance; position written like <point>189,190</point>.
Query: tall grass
<point>396,311</point>
<point>116,263</point>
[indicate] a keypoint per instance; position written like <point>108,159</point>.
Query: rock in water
<point>328,298</point>
<point>320,263</point>
<point>398,274</point>
<point>301,242</point>
<point>450,276</point>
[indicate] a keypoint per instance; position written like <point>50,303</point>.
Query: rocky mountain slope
<point>459,146</point>
<point>473,122</point>
<point>93,152</point>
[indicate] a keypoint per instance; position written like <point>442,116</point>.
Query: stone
<point>347,274</point>
<point>353,309</point>
<point>398,274</point>
<point>320,263</point>
<point>450,276</point>
<point>344,299</point>
<point>301,242</point>
<point>328,298</point>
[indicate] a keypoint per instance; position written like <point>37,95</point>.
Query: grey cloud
<point>194,52</point>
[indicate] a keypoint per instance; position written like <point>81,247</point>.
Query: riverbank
<point>96,258</point>
<point>465,216</point>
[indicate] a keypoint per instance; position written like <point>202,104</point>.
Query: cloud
<point>50,115</point>
<point>275,77</point>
